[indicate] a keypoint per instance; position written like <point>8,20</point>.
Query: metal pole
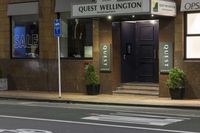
<point>59,70</point>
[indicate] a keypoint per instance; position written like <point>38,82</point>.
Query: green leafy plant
<point>91,78</point>
<point>176,79</point>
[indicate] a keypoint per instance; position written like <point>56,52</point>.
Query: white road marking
<point>146,115</point>
<point>24,131</point>
<point>95,124</point>
<point>134,119</point>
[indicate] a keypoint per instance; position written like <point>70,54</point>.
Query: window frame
<point>12,43</point>
<point>78,58</point>
<point>188,35</point>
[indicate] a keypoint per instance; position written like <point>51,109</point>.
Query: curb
<point>100,103</point>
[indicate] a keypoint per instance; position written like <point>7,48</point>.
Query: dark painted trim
<point>58,15</point>
<point>11,50</point>
<point>71,58</point>
<point>24,2</point>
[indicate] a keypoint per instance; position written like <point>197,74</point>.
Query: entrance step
<point>146,89</point>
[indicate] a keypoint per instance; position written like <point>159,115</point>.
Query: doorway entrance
<point>139,47</point>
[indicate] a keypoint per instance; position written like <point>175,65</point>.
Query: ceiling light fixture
<point>109,17</point>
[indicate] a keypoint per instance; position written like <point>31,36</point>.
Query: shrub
<point>176,79</point>
<point>91,78</point>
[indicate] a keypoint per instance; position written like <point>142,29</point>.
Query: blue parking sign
<point>57,28</point>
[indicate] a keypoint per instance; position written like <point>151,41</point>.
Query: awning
<point>124,7</point>
<point>190,5</point>
<point>23,8</point>
<point>65,5</point>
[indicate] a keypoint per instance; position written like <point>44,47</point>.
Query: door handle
<point>124,56</point>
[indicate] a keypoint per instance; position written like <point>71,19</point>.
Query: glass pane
<point>77,44</point>
<point>25,38</point>
<point>193,47</point>
<point>88,52</point>
<point>80,36</point>
<point>63,40</point>
<point>193,21</point>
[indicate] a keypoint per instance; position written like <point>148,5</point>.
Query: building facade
<point>133,46</point>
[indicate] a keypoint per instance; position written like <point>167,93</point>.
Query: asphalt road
<point>44,117</point>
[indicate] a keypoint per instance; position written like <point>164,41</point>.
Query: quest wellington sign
<point>111,7</point>
<point>190,5</point>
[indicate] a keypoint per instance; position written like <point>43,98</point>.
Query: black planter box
<point>177,93</point>
<point>93,89</point>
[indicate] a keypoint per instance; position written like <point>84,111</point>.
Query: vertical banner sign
<point>57,33</point>
<point>57,28</point>
<point>105,57</point>
<point>166,56</point>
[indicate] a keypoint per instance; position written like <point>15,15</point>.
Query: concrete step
<point>147,88</point>
<point>137,92</point>
<point>140,84</point>
<point>138,89</point>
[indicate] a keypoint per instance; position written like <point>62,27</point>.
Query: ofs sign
<point>111,7</point>
<point>190,5</point>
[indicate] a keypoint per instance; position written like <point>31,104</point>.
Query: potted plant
<point>92,81</point>
<point>3,82</point>
<point>176,83</point>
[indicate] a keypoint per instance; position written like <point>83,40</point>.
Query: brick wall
<point>30,74</point>
<point>41,74</point>
<point>191,68</point>
<point>166,34</point>
<point>4,31</point>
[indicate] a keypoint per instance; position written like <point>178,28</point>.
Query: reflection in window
<point>193,47</point>
<point>193,22</point>
<point>192,36</point>
<point>76,40</point>
<point>25,37</point>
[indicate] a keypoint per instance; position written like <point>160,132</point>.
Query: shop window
<point>192,36</point>
<point>25,36</point>
<point>76,40</point>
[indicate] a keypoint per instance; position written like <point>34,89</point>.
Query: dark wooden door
<point>128,57</point>
<point>146,51</point>
<point>139,41</point>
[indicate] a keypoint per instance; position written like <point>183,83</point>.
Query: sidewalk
<point>130,100</point>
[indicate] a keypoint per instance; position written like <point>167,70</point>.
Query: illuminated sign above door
<point>111,7</point>
<point>125,7</point>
